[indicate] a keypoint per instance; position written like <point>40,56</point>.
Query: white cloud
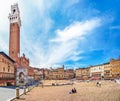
<point>61,52</point>
<point>64,46</point>
<point>35,17</point>
<point>76,29</point>
<point>76,58</point>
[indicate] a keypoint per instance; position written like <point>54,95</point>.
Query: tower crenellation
<point>14,16</point>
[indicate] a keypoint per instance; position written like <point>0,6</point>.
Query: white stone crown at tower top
<point>14,16</point>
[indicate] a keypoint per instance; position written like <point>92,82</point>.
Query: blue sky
<point>76,33</point>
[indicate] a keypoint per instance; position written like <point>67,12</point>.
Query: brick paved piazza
<point>109,91</point>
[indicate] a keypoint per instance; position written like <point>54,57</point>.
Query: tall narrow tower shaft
<point>14,38</point>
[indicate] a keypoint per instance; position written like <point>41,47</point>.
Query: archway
<point>21,77</point>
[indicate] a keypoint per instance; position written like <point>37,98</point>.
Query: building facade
<point>107,71</point>
<point>38,74</point>
<point>60,73</point>
<point>82,73</point>
<point>57,74</point>
<point>115,68</point>
<point>46,73</point>
<point>97,72</point>
<point>69,74</point>
<point>54,75</point>
<point>7,75</point>
<point>24,61</point>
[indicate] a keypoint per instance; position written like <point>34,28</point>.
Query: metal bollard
<point>24,90</point>
<point>17,93</point>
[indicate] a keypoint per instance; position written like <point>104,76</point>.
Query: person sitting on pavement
<point>99,84</point>
<point>73,91</point>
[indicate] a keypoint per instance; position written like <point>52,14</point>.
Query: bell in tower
<point>14,37</point>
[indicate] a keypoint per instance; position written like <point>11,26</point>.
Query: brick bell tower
<point>14,38</point>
